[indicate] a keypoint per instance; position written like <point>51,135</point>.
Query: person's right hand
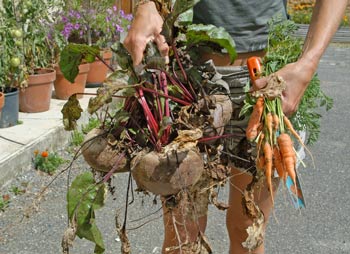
<point>146,27</point>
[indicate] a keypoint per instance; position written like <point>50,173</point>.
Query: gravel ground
<point>28,226</point>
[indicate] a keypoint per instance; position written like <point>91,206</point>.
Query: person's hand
<point>297,76</point>
<point>146,27</point>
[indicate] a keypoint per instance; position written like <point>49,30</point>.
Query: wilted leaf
<point>115,82</point>
<point>71,57</point>
<point>200,33</point>
<point>71,112</point>
<point>153,59</point>
<point>123,57</point>
<point>84,197</point>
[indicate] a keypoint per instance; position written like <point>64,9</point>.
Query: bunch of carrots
<point>272,130</point>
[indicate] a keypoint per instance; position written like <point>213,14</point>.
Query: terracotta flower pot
<point>98,70</point>
<point>37,96</point>
<point>2,100</point>
<point>64,89</point>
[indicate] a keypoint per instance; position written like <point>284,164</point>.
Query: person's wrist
<point>161,6</point>
<point>145,4</point>
<point>308,64</point>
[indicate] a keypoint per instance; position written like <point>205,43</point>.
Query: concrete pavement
<point>36,131</point>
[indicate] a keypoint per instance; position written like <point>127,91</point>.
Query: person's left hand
<point>297,76</point>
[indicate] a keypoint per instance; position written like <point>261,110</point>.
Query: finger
<point>259,84</point>
<point>163,47</point>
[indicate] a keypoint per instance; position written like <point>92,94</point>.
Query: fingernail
<point>166,58</point>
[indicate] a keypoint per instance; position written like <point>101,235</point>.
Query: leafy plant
<point>47,162</point>
<point>25,44</point>
<point>92,123</point>
<point>4,202</point>
<point>301,13</point>
<point>89,22</point>
<point>16,190</point>
<point>77,137</point>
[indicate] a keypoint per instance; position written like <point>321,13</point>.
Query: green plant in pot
<point>96,24</point>
<point>32,56</point>
<point>11,74</point>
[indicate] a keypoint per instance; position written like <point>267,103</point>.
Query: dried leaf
<point>255,234</point>
<point>256,230</point>
<point>220,205</point>
<point>118,81</point>
<point>125,243</point>
<point>71,113</point>
<point>68,238</point>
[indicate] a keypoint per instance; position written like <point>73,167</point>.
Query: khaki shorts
<point>238,151</point>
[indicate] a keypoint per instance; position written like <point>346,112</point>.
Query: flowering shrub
<point>301,12</point>
<point>92,26</point>
<point>47,162</point>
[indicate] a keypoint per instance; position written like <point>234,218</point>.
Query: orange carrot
<point>268,167</point>
<point>285,145</point>
<point>278,163</point>
<point>269,124</point>
<point>261,138</point>
<point>295,134</point>
<point>254,120</point>
<point>275,122</point>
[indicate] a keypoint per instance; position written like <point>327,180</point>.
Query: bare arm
<point>326,18</point>
<point>325,21</point>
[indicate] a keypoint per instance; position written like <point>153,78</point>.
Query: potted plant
<point>32,57</point>
<point>10,72</point>
<point>108,26</point>
<point>95,24</point>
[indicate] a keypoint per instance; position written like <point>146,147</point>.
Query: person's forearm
<point>325,21</point>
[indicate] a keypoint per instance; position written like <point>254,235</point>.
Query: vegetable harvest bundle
<point>166,129</point>
<point>272,130</point>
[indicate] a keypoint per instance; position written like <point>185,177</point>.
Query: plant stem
<point>182,102</point>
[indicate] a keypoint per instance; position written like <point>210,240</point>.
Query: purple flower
<point>64,19</point>
<point>76,26</point>
<point>66,32</point>
<point>115,8</point>
<point>129,17</point>
<point>118,28</point>
<point>49,36</point>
